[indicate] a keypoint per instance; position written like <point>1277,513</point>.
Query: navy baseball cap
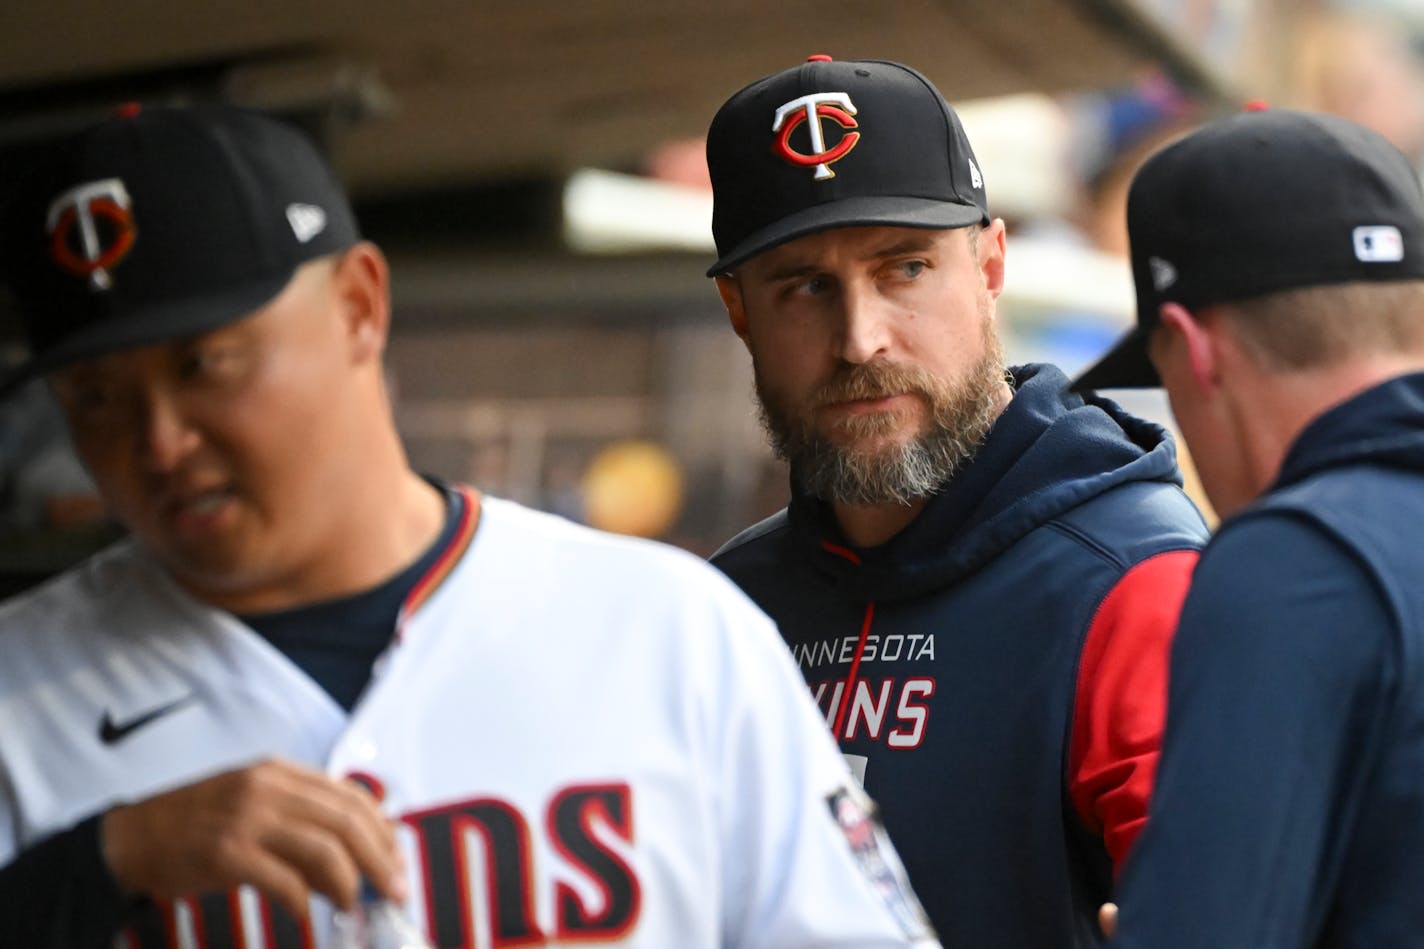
<point>1256,203</point>
<point>157,224</point>
<point>837,144</point>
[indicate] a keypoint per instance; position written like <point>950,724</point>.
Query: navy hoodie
<point>959,642</point>
<point>1291,807</point>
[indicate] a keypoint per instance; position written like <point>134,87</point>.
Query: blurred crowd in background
<point>647,426</point>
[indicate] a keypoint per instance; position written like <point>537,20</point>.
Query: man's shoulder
<point>1363,507</point>
<point>580,590</point>
<point>517,526</point>
<point>522,538</point>
<point>1361,487</point>
<point>1362,512</point>
<point>63,623</point>
<point>1136,520</point>
<point>751,539</point>
<point>87,587</point>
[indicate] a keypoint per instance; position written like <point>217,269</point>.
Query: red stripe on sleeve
<point>1121,702</point>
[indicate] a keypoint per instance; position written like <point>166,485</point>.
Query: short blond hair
<point>1317,327</point>
<point>972,232</point>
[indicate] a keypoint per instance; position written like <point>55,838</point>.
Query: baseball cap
<point>1259,202</point>
<point>161,223</point>
<point>837,144</point>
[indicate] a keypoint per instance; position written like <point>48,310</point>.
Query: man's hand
<point>287,830</point>
<point>1107,919</point>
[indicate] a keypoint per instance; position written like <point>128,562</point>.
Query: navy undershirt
<point>336,642</point>
<point>60,895</point>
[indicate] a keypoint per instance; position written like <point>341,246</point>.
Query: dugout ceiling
<point>416,92</point>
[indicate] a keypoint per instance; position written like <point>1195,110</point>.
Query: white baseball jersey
<point>586,738</point>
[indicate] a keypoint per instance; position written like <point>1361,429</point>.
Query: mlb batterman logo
<point>1378,244</point>
<point>810,110</point>
<point>91,228</point>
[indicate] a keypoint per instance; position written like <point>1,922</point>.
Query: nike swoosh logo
<point>111,732</point>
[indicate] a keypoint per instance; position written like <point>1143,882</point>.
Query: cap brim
<point>873,211</point>
<point>1125,366</point>
<point>143,326</point>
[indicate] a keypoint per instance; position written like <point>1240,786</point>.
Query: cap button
<point>127,110</point>
<point>1255,105</point>
<point>818,58</point>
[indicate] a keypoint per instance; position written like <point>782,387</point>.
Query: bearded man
<point>979,572</point>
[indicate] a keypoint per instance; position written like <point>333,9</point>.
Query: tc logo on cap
<point>78,242</point>
<point>810,109</point>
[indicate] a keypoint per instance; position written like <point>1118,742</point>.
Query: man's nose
<point>165,432</point>
<point>865,324</point>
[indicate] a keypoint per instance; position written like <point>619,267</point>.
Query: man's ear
<point>731,294</point>
<point>1185,333</point>
<point>992,251</point>
<point>363,291</point>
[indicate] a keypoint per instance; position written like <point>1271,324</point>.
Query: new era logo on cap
<point>1379,244</point>
<point>307,220</point>
<point>1163,273</point>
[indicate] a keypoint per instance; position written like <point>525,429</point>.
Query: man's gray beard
<point>962,415</point>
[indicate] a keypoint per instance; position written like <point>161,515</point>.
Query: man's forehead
<point>313,276</point>
<point>129,357</point>
<point>860,243</point>
<point>104,366</point>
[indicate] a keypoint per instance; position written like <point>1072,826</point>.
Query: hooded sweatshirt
<point>996,672</point>
<point>1291,808</point>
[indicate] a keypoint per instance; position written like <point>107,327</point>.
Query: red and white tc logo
<point>77,241</point>
<point>810,109</point>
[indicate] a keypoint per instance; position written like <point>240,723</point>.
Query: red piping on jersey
<point>459,543</point>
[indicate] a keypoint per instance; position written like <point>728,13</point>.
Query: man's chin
<point>864,447</point>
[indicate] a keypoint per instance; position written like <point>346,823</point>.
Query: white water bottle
<point>376,923</point>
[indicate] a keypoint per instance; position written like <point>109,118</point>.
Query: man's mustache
<point>872,381</point>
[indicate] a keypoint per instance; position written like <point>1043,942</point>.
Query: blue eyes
<point>819,285</point>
